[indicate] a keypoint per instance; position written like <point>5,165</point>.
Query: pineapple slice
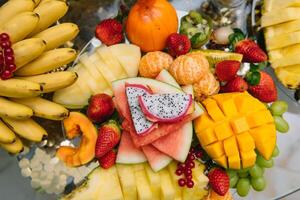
<point>283,40</point>
<point>284,52</point>
<point>286,61</point>
<point>112,62</point>
<point>143,187</point>
<point>287,27</point>
<point>167,187</point>
<point>285,15</point>
<point>127,180</point>
<point>289,76</point>
<point>155,182</point>
<point>271,5</point>
<point>178,190</point>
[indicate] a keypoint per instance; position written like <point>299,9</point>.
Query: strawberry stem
<point>235,37</point>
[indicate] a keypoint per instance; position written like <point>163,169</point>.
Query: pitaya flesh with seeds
<point>141,124</point>
<point>166,107</point>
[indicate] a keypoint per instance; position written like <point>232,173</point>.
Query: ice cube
<point>26,172</point>
<point>35,174</point>
<point>23,163</point>
<point>49,167</point>
<point>35,184</point>
<point>45,183</point>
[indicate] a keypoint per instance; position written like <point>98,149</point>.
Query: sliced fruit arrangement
<point>97,71</point>
<point>30,47</point>
<point>282,40</point>
<point>138,181</point>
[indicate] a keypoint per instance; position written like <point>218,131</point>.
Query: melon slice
<point>129,56</point>
<point>127,152</point>
<point>156,159</point>
<point>166,77</point>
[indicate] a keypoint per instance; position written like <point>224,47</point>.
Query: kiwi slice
<point>215,56</point>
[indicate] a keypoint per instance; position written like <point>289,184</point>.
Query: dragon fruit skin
<point>141,124</point>
<point>166,107</point>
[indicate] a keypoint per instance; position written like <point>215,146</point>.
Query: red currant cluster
<point>186,169</point>
<point>7,59</point>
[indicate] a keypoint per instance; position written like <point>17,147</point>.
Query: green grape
<point>275,152</point>
<point>243,187</point>
<point>278,108</point>
<point>258,184</point>
<point>256,171</point>
<point>231,173</point>
<point>243,174</point>
<point>281,125</point>
<point>233,181</point>
<point>263,162</point>
<point>263,170</point>
<point>243,170</point>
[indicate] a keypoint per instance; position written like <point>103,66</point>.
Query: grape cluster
<point>244,178</point>
<point>184,170</point>
<point>7,59</point>
<point>278,108</point>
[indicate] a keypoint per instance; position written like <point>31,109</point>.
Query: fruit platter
<point>151,99</point>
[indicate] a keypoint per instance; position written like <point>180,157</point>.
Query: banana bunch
<point>38,45</point>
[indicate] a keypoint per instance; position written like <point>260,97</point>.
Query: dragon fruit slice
<point>141,124</point>
<point>166,107</point>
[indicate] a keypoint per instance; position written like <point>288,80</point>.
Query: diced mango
<point>228,107</point>
<point>207,137</point>
<point>245,141</point>
<point>222,161</point>
<point>239,125</point>
<point>248,158</point>
<point>259,118</point>
<point>213,109</point>
<point>263,133</point>
<point>223,131</point>
<point>203,122</point>
<point>266,148</point>
<point>230,146</point>
<point>215,150</point>
<point>234,162</point>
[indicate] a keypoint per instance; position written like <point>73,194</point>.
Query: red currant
<point>188,171</point>
<point>191,157</point>
<point>179,172</point>
<point>181,182</point>
<point>8,52</point>
<point>190,164</point>
<point>11,67</point>
<point>198,154</point>
<point>181,166</point>
<point>190,183</point>
<point>4,37</point>
<point>9,60</point>
<point>189,177</point>
<point>6,74</point>
<point>192,150</point>
<point>5,44</point>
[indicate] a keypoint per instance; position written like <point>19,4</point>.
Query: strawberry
<point>252,53</point>
<point>108,137</point>
<point>110,32</point>
<point>219,181</point>
<point>265,90</point>
<point>108,160</point>
<point>226,70</point>
<point>178,44</point>
<point>238,84</point>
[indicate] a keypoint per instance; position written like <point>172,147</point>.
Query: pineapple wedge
<point>167,187</point>
<point>274,17</point>
<point>178,190</point>
<point>143,187</point>
<point>155,182</point>
<point>271,5</point>
<point>284,52</point>
<point>127,180</point>
<point>112,62</point>
<point>287,27</point>
<point>289,76</point>
<point>283,40</point>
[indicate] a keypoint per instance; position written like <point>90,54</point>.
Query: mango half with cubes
<point>233,127</point>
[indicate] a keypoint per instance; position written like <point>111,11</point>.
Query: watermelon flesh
<point>156,159</point>
<point>128,153</point>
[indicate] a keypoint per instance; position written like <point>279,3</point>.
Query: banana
<point>27,129</point>
<point>19,88</point>
<point>14,7</point>
<point>48,61</point>
<point>49,12</point>
<point>13,148</point>
<point>58,35</point>
<point>6,135</point>
<point>44,108</point>
<point>28,50</point>
<point>20,26</point>
<point>53,81</point>
<point>14,110</point>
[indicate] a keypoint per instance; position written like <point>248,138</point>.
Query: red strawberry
<point>227,69</point>
<point>110,32</point>
<point>238,84</point>
<point>108,137</point>
<point>178,44</point>
<point>266,90</point>
<point>219,181</point>
<point>108,160</point>
<point>252,53</point>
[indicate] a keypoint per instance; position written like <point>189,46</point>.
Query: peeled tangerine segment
<point>234,125</point>
<point>166,107</point>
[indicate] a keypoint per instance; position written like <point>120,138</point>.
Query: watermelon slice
<point>128,153</point>
<point>156,159</point>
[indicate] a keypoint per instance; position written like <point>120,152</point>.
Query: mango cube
<point>222,161</point>
<point>230,146</point>
<point>245,141</point>
<point>259,118</point>
<point>223,131</point>
<point>239,125</point>
<point>213,109</point>
<point>228,107</point>
<point>248,158</point>
<point>203,122</point>
<point>234,162</point>
<point>207,137</point>
<point>215,150</point>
